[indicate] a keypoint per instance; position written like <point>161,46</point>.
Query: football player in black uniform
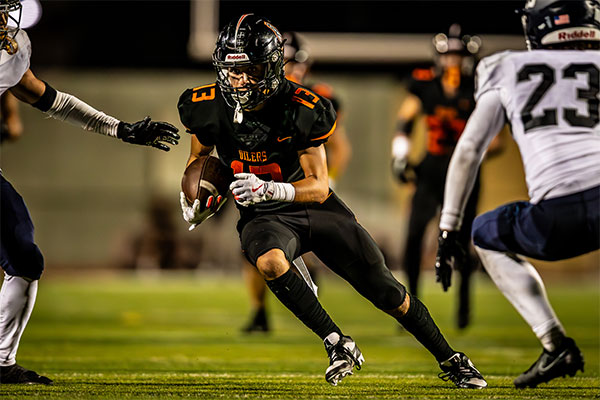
<point>271,131</point>
<point>445,95</point>
<point>338,150</point>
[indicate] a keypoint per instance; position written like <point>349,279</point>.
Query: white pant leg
<point>17,298</point>
<point>521,284</point>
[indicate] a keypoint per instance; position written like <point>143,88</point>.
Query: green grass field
<point>177,336</point>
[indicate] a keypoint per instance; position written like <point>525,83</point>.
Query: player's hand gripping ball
<point>204,186</point>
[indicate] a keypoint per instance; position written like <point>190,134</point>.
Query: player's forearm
<point>68,108</point>
<point>485,122</point>
<point>311,189</point>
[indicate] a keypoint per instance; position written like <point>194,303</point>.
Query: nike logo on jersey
<point>279,139</point>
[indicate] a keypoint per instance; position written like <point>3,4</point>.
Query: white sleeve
<point>70,109</point>
<point>485,122</point>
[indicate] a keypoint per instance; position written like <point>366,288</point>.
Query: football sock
<point>421,325</point>
<point>522,286</point>
<point>295,294</point>
<point>17,298</point>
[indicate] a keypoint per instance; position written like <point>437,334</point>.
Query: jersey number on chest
<point>273,170</point>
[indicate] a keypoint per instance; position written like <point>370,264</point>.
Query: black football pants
<point>331,231</point>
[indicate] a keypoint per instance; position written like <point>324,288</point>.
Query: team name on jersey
<point>253,156</point>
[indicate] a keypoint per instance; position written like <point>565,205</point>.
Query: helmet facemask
<point>258,88</point>
<point>10,11</point>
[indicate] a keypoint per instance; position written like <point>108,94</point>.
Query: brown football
<point>206,176</point>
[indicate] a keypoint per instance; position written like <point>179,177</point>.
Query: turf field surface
<point>177,336</point>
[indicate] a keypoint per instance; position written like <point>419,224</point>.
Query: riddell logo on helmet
<point>577,35</point>
<point>237,57</point>
<point>572,34</point>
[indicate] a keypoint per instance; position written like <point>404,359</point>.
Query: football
<point>206,176</point>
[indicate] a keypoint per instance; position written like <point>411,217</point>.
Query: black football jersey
<point>446,117</point>
<point>267,141</point>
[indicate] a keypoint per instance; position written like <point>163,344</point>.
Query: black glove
<point>148,133</point>
<point>403,171</point>
<point>450,254</point>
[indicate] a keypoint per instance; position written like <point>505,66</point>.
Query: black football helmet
<point>455,42</point>
<point>10,10</point>
<point>553,22</point>
<point>249,40</point>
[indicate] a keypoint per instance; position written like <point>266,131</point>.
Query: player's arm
<point>483,125</point>
<point>197,149</point>
<point>11,126</point>
<point>65,107</point>
<point>314,187</point>
<point>339,151</point>
<point>407,113</point>
<point>193,214</point>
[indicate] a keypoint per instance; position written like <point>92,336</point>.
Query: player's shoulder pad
<point>492,71</point>
<point>326,91</point>
<point>315,116</point>
<point>14,66</point>
<point>197,106</point>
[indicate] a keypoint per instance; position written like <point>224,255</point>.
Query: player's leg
<point>553,229</point>
<point>257,289</point>
<point>424,207</point>
<point>463,311</point>
<point>23,263</point>
<point>348,250</point>
<point>271,246</point>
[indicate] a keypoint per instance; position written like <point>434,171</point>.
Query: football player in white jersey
<point>20,257</point>
<point>550,96</point>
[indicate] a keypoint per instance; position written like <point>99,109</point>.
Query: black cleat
<point>566,360</point>
<point>15,374</point>
<point>343,357</point>
<point>460,370</point>
<point>258,323</point>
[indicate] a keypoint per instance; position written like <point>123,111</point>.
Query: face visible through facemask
<point>245,79</point>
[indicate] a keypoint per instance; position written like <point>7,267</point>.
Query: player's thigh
<point>551,230</point>
<point>268,232</point>
<point>19,255</point>
<point>347,249</point>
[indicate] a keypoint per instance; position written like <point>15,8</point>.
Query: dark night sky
<point>155,33</point>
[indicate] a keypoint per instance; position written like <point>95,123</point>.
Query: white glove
<point>248,189</point>
<point>193,215</point>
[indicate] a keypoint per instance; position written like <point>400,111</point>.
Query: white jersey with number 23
<point>551,99</point>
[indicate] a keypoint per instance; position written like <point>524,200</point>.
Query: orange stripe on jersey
<point>328,133</point>
<point>303,102</point>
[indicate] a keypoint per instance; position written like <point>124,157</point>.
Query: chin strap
<point>238,114</point>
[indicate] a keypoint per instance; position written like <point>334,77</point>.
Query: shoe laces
<point>341,352</point>
<point>460,372</point>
